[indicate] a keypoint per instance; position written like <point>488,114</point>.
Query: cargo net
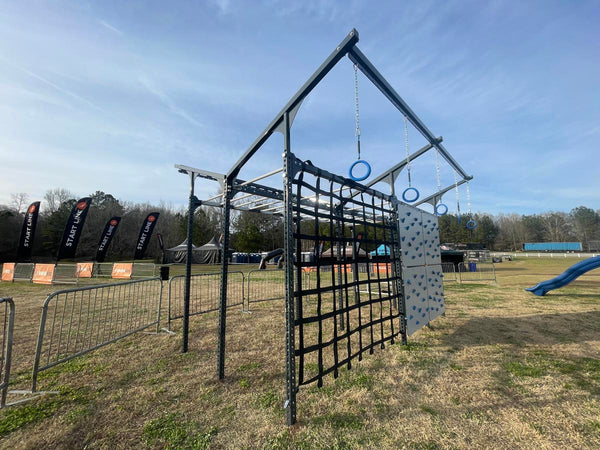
<point>350,305</point>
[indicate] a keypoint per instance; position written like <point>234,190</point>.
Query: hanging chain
<point>357,131</point>
<point>469,198</point>
<point>437,169</point>
<point>407,152</point>
<point>457,198</point>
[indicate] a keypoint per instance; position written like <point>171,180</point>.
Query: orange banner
<point>43,273</point>
<point>122,270</point>
<point>84,270</point>
<point>382,268</point>
<point>8,271</point>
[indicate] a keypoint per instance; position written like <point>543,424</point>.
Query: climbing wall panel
<point>431,239</point>
<point>435,291</point>
<point>411,236</point>
<point>415,293</point>
<point>421,267</point>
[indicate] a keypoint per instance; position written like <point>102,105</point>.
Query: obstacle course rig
<point>347,312</point>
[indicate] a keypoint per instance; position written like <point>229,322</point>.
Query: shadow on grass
<point>542,329</point>
<point>570,296</point>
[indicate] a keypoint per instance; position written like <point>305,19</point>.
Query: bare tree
<point>557,227</point>
<point>19,201</point>
<point>54,198</point>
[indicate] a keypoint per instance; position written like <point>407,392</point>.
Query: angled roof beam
<point>201,173</point>
<point>389,176</point>
<point>434,198</point>
<point>292,106</point>
<point>358,58</point>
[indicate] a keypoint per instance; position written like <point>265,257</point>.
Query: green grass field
<point>502,369</point>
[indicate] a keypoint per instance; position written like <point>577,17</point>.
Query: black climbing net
<point>346,301</point>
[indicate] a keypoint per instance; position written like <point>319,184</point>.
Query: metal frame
<point>75,316</point>
<point>172,315</point>
<point>269,200</point>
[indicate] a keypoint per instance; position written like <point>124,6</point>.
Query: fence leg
<point>38,349</point>
<point>8,335</point>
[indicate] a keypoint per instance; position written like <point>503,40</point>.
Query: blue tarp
<point>381,250</point>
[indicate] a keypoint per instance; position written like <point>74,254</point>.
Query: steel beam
<point>366,67</point>
<point>219,177</point>
<point>292,105</point>
<point>193,204</point>
<point>290,302</point>
<point>433,198</point>
<point>394,171</point>
<point>227,194</point>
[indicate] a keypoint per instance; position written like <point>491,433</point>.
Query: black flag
<point>109,231</point>
<point>145,233</point>
<point>28,232</point>
<point>70,239</point>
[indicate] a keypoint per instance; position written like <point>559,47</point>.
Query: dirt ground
<point>502,369</point>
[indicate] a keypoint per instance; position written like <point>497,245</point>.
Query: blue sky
<point>110,95</point>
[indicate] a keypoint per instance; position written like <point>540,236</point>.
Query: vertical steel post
<point>227,188</point>
<point>290,340</point>
<point>395,251</point>
<point>188,267</point>
<point>339,233</point>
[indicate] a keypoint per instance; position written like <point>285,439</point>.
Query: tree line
<point>508,232</point>
<point>255,232</point>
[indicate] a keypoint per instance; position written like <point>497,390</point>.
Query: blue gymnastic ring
<point>364,177</point>
<point>437,213</point>
<point>471,224</point>
<point>410,189</point>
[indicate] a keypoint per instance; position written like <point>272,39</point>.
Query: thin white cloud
<point>111,28</point>
<point>164,98</point>
<point>53,85</point>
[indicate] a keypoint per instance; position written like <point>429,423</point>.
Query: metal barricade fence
<point>265,285</point>
<point>143,270</point>
<point>205,293</point>
<point>476,272</point>
<point>65,274</point>
<point>7,316</point>
<point>77,321</point>
<point>24,271</point>
<point>449,272</point>
<point>102,270</point>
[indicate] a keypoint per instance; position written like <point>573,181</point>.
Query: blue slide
<point>566,277</point>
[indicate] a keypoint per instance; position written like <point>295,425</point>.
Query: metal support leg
<point>397,272</point>
<point>224,272</point>
<point>188,267</point>
<point>290,341</point>
<point>339,234</point>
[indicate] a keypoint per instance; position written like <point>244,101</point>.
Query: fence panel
<point>77,321</point>
<point>265,285</point>
<point>481,272</point>
<point>7,318</point>
<point>65,274</point>
<point>143,270</point>
<point>24,271</point>
<point>449,271</point>
<point>204,293</point>
<point>102,270</point>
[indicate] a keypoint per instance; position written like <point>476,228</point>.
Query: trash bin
<point>164,273</point>
<point>472,267</point>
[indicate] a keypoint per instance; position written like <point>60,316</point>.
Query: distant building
<point>552,247</point>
